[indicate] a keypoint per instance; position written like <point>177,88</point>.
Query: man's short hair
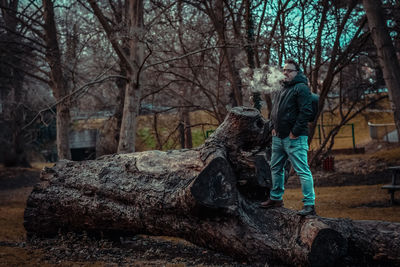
<point>292,61</point>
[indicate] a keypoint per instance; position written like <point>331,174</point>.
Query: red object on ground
<point>328,163</point>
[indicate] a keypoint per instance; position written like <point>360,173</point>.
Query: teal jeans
<point>296,151</point>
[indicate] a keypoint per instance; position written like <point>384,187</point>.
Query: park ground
<point>352,190</point>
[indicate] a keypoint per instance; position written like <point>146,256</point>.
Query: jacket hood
<point>299,78</point>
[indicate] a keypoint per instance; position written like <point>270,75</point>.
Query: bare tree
<point>338,57</point>
<point>187,65</point>
<point>318,48</point>
<point>216,12</point>
<point>12,76</point>
<point>62,62</point>
<point>58,82</point>
<point>350,86</point>
<point>40,45</point>
<point>133,59</point>
<point>185,129</point>
<point>197,49</point>
<point>386,54</point>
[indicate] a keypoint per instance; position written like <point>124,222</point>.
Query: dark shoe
<point>307,210</point>
<point>271,203</point>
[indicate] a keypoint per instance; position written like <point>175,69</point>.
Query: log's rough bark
<point>202,195</point>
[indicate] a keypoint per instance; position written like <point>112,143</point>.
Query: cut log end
<point>245,111</point>
<point>328,247</point>
<point>243,129</point>
<point>215,185</point>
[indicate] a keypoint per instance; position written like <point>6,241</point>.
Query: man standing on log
<point>290,115</point>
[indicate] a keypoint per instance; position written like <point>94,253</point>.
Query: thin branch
<point>156,91</point>
<point>23,15</point>
<point>110,34</point>
<point>142,65</point>
<point>27,72</point>
<point>71,94</point>
<point>23,36</point>
<point>156,17</point>
<point>344,121</point>
<point>189,54</point>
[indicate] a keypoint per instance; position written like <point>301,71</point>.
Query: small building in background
<point>83,144</point>
<point>383,132</point>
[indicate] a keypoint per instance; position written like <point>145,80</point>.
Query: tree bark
<point>132,59</point>
<point>336,58</point>
<point>127,136</point>
<point>11,89</point>
<point>386,54</point>
<point>132,94</point>
<point>318,48</point>
<point>217,17</point>
<point>185,130</point>
<point>58,82</point>
<point>200,195</point>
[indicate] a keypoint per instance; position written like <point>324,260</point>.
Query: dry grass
<point>343,139</point>
<point>349,202</point>
<point>389,156</point>
<point>15,256</point>
<point>361,129</point>
<point>167,130</point>
<point>11,219</point>
<point>12,206</point>
<point>41,165</point>
<point>168,122</point>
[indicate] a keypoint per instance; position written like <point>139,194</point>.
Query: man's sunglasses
<point>288,70</point>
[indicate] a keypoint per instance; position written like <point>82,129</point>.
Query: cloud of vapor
<point>264,80</point>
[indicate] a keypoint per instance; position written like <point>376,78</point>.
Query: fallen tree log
<point>202,195</point>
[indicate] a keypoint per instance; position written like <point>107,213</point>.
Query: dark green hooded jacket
<point>292,107</point>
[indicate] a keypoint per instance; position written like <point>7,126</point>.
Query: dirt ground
<point>81,250</point>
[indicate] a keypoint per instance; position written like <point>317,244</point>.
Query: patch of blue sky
<point>301,25</point>
<point>352,27</point>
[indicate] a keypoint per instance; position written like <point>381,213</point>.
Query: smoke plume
<point>266,79</point>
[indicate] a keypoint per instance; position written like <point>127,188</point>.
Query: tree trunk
<point>318,48</point>
<point>132,59</point>
<point>256,96</point>
<point>386,54</point>
<point>185,130</point>
<point>58,82</point>
<point>216,14</point>
<point>63,119</point>
<point>127,136</point>
<point>107,142</point>
<point>11,89</point>
<point>200,195</point>
<point>333,66</point>
<point>109,134</point>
